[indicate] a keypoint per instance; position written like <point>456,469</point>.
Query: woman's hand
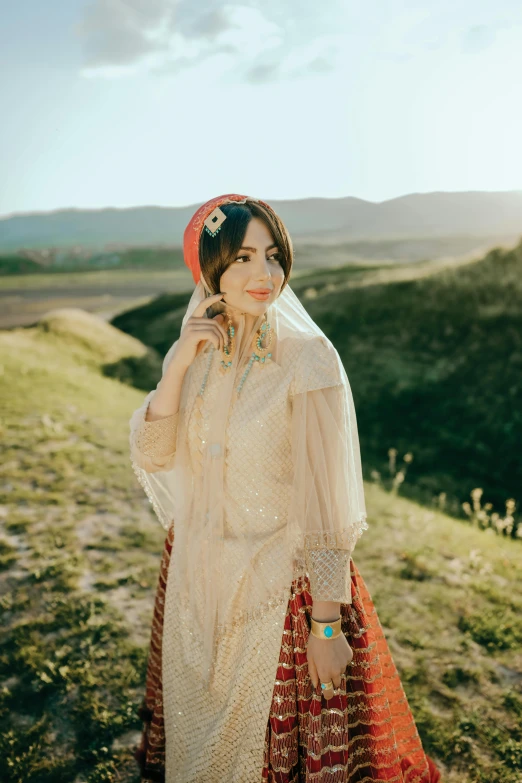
<point>327,660</point>
<point>198,329</point>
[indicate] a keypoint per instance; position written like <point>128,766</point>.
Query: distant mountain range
<point>426,215</point>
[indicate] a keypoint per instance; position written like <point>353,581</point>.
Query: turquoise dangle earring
<point>230,348</point>
<point>261,352</point>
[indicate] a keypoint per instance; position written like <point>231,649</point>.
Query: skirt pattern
<point>364,733</point>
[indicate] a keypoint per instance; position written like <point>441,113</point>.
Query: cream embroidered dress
<point>218,734</point>
<point>279,424</point>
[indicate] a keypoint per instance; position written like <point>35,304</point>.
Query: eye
<point>276,255</point>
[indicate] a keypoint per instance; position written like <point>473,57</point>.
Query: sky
<point>118,103</point>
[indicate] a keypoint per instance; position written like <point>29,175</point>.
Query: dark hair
<point>217,253</point>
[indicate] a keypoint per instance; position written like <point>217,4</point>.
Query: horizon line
<point>196,204</point>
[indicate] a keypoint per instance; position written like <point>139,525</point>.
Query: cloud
<point>442,27</point>
<point>481,36</point>
<point>321,64</point>
<point>208,24</point>
<point>119,32</point>
<point>263,72</point>
<point>260,42</point>
<point>125,32</point>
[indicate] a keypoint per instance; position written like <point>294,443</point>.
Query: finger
<point>218,329</point>
<point>327,692</point>
<point>209,322</point>
<point>341,689</point>
<point>205,304</point>
<point>324,677</point>
<point>208,328</point>
<point>205,334</point>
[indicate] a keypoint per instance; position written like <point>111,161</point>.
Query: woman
<point>267,661</point>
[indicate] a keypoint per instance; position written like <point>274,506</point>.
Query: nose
<point>264,272</point>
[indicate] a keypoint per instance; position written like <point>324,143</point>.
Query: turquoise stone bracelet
<point>326,630</point>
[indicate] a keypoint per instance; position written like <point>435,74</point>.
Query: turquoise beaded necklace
<point>259,349</point>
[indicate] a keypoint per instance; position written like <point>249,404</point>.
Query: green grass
<point>79,555</point>
<point>102,278</point>
<point>69,262</point>
<point>436,365</point>
<point>79,558</point>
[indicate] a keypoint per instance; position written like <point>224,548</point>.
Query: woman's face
<point>256,267</point>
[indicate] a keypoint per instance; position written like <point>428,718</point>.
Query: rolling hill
<point>79,559</point>
<point>493,215</point>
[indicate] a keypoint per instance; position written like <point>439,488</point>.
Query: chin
<point>255,308</point>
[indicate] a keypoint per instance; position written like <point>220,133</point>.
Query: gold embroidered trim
<point>336,539</point>
<point>371,763</point>
<point>319,776</point>
<point>355,751</point>
<point>364,679</point>
<point>157,438</point>
<point>367,779</point>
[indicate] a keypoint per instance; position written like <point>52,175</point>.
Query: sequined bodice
<point>258,463</point>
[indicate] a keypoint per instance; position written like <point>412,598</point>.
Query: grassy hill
<point>79,558</point>
<point>83,260</point>
<point>436,368</point>
<point>433,352</point>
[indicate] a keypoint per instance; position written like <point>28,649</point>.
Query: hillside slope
<point>436,369</point>
<point>79,556</point>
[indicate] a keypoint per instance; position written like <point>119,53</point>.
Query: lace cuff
<point>329,572</point>
<point>154,442</point>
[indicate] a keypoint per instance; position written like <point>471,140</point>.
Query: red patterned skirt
<point>365,733</point>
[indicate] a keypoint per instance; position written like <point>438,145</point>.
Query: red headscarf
<point>193,230</point>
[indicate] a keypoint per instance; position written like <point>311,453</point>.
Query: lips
<point>260,293</point>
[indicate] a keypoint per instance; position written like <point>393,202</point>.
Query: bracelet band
<point>326,630</point>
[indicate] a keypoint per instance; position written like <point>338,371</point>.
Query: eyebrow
<point>253,249</point>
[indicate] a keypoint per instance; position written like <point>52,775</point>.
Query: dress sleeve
<point>153,443</point>
<point>329,504</point>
